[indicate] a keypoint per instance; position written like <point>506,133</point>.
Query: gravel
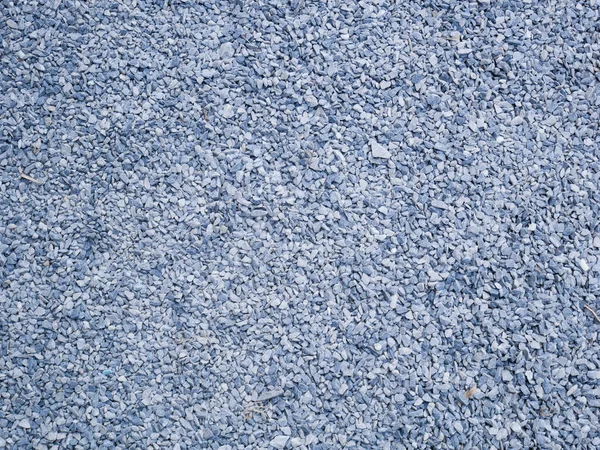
<point>305,224</point>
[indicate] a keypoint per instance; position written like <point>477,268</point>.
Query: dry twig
<point>593,312</point>
<point>27,177</point>
<point>256,408</point>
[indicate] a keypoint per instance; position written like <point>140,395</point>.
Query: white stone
<point>297,442</point>
<point>502,434</point>
<point>594,374</point>
<point>379,151</point>
<point>226,50</point>
<point>279,441</point>
<point>227,111</point>
<point>506,375</point>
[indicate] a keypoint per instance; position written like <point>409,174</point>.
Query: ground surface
<point>307,224</point>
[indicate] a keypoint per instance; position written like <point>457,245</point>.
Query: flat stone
<point>279,441</point>
<point>296,442</point>
<point>227,112</point>
<point>594,374</point>
<point>379,151</point>
<point>269,395</point>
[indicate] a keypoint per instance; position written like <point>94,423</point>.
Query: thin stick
<point>27,177</point>
<point>593,312</point>
<point>205,115</point>
<point>410,45</point>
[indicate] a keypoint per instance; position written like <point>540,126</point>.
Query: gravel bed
<point>268,224</point>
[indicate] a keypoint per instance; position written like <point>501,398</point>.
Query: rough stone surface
<point>299,224</point>
<point>379,151</point>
